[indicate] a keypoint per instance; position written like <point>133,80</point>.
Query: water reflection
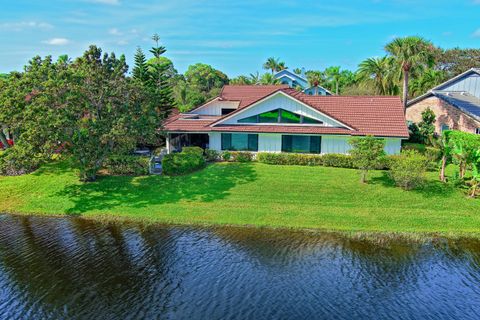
<point>73,268</point>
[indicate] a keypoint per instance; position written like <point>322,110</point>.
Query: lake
<point>70,268</point>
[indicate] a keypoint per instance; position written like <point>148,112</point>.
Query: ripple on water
<point>53,268</point>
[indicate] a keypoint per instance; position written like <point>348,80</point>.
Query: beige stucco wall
<point>444,113</point>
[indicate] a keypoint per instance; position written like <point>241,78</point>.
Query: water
<point>53,268</point>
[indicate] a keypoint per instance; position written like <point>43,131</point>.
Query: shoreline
<point>352,233</point>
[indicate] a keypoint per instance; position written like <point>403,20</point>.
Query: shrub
<point>367,154</point>
<point>127,165</point>
<point>182,163</point>
<point>17,161</point>
<point>433,155</point>
<point>408,170</point>
<point>194,150</point>
<point>212,155</point>
<point>337,160</point>
<point>241,156</point>
<point>226,156</point>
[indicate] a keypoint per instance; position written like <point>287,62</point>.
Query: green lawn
<point>249,194</point>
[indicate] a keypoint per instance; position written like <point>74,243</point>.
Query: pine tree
<point>140,69</point>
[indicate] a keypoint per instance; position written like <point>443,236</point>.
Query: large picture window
<point>301,144</point>
<point>239,142</point>
<point>279,116</point>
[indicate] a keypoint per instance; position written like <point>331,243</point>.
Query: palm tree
<point>271,64</point>
<point>333,75</point>
<point>241,80</point>
<point>268,78</point>
<point>280,66</point>
<point>380,73</point>
<point>410,53</point>
<point>314,79</point>
<point>427,80</point>
<point>297,71</point>
<point>255,78</point>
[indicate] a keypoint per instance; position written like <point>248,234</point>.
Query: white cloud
<point>115,32</point>
<point>57,41</point>
<point>22,25</point>
<point>476,33</point>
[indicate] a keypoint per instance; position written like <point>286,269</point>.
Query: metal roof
<point>461,100</point>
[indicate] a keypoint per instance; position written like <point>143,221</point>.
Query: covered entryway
<point>176,141</point>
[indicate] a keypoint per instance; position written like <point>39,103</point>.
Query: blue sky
<point>233,36</point>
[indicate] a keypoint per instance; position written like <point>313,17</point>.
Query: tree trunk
<point>405,90</point>
<point>462,166</point>
<point>336,89</point>
<point>442,170</point>
<point>363,176</point>
<point>3,139</point>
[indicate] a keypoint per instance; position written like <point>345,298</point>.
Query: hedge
<point>328,160</point>
<point>183,162</point>
<point>127,165</point>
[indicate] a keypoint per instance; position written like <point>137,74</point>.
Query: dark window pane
<point>315,144</point>
<point>289,117</point>
<point>286,143</point>
<point>253,142</point>
<point>226,141</point>
<point>226,111</point>
<point>252,119</point>
<point>239,141</point>
<point>301,144</point>
<point>268,117</point>
<point>310,120</point>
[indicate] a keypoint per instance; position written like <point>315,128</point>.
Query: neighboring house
<point>296,81</point>
<point>456,104</point>
<point>281,119</point>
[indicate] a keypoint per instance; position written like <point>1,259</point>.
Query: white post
<point>168,142</point>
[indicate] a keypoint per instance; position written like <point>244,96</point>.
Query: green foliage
<point>226,155</point>
<point>380,73</point>
<point>204,77</point>
<point>18,160</point>
<point>426,126</point>
<point>327,160</point>
<point>408,170</point>
<point>127,165</point>
<point>195,150</point>
<point>241,156</point>
<point>434,156</point>
<point>367,153</point>
<point>475,180</point>
<point>182,163</point>
<point>274,65</point>
<point>463,147</point>
<point>456,61</point>
<point>212,155</point>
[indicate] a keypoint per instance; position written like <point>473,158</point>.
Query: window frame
<point>477,131</point>
<point>226,141</point>
<point>279,112</point>
<point>315,138</point>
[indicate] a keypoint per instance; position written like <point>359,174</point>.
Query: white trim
<point>326,90</point>
<point>206,104</point>
<point>292,73</point>
<point>271,96</point>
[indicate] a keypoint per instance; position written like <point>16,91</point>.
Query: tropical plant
<point>426,127</point>
<point>241,80</point>
<point>367,153</point>
<point>443,146</point>
<point>255,78</point>
<point>463,146</point>
<point>379,72</point>
<point>314,78</point>
<point>268,78</point>
<point>410,53</point>
<point>426,81</point>
<point>333,75</point>
<point>475,181</point>
<point>271,64</point>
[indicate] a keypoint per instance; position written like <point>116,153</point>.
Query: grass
<point>249,194</point>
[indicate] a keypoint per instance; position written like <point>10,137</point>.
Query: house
<point>298,81</point>
<point>456,103</point>
<point>277,118</point>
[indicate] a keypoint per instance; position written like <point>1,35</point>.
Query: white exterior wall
<point>281,101</point>
<point>214,108</point>
<point>272,142</point>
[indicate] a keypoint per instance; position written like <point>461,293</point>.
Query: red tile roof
<point>372,115</point>
<point>247,95</point>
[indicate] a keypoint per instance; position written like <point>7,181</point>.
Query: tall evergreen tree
<point>140,69</point>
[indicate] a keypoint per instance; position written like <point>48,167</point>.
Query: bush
<point>242,156</point>
<point>408,170</point>
<point>127,165</point>
<point>367,154</point>
<point>434,156</point>
<point>194,150</point>
<point>16,161</point>
<point>182,163</point>
<point>212,155</point>
<point>226,156</point>
<point>337,160</point>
